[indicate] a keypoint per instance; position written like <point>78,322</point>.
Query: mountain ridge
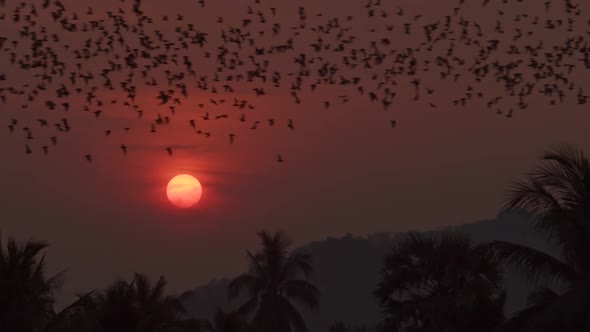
<point>347,271</point>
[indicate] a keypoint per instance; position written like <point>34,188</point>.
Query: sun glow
<point>184,191</point>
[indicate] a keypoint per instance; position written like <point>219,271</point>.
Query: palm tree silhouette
<point>73,317</point>
<point>136,306</point>
<point>115,308</point>
<point>26,292</point>
<point>440,282</point>
<point>557,194</point>
<point>156,310</point>
<point>272,282</point>
<point>231,321</point>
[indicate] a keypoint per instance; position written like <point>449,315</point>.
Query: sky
<point>345,169</point>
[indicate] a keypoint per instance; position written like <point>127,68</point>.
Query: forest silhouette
<point>429,282</point>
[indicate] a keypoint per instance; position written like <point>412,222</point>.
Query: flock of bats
<point>95,62</point>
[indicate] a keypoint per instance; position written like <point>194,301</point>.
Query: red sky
<point>345,170</point>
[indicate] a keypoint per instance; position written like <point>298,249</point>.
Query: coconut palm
<point>26,292</point>
<point>440,282</point>
<point>156,310</point>
<point>115,308</point>
<point>231,321</point>
<point>273,285</point>
<point>74,317</point>
<point>557,194</point>
<point>133,307</point>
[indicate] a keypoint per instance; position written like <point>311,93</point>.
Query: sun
<point>184,191</point>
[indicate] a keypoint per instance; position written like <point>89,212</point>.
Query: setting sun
<point>184,191</point>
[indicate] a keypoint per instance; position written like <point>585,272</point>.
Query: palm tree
<point>557,194</point>
<point>440,282</point>
<point>227,322</point>
<point>26,292</point>
<point>136,306</point>
<point>74,317</point>
<point>115,308</point>
<point>272,282</point>
<point>156,310</point>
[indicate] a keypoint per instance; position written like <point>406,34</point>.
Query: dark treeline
<point>429,282</point>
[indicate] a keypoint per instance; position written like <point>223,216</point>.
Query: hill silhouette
<point>347,271</point>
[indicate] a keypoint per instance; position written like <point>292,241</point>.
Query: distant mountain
<point>347,271</point>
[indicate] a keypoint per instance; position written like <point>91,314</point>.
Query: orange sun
<point>184,191</point>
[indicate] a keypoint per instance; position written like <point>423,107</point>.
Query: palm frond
<point>142,286</point>
<point>244,281</point>
<point>82,302</point>
<point>572,160</point>
<point>532,197</point>
<point>249,306</point>
<point>255,263</point>
<point>295,319</point>
<point>535,266</point>
<point>297,262</point>
<point>302,291</point>
<point>157,291</point>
